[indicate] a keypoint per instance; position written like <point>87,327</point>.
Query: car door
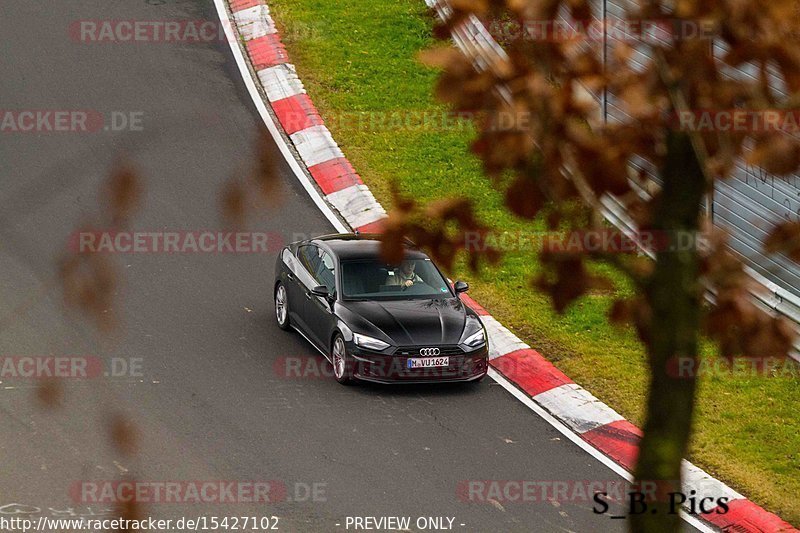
<point>304,280</point>
<point>319,310</point>
<point>291,281</point>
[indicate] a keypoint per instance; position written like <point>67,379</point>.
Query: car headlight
<point>476,339</point>
<point>369,343</point>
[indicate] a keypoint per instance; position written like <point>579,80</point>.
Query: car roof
<point>348,246</point>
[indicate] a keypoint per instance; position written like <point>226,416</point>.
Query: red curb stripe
<point>475,306</point>
<point>372,227</point>
<point>618,440</point>
<point>238,5</point>
<point>744,516</point>
<point>335,175</point>
<point>530,371</point>
<point>267,51</point>
<point>296,113</point>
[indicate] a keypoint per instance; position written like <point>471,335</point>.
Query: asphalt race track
<point>209,404</point>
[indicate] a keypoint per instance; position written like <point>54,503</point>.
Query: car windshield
<point>376,280</point>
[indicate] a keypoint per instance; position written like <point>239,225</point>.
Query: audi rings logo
<point>430,351</point>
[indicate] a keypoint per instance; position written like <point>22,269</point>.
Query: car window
<point>309,257</point>
<point>319,264</point>
<point>325,273</point>
<point>373,279</point>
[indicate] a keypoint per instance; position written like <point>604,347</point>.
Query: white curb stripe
<point>577,407</point>
<point>316,145</point>
<point>501,340</point>
<point>254,22</point>
<point>280,82</point>
<point>250,14</point>
<point>705,485</point>
<point>357,205</point>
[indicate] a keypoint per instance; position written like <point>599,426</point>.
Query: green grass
<point>358,56</point>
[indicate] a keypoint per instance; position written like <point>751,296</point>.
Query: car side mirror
<point>461,286</point>
<point>321,291</point>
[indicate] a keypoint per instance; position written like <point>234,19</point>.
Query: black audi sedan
<point>374,321</point>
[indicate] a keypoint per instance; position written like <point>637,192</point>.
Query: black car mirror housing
<point>321,291</point>
<point>461,286</point>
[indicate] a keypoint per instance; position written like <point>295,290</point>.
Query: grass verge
<point>357,60</point>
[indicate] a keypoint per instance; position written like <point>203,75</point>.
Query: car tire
<point>282,307</point>
<point>342,362</point>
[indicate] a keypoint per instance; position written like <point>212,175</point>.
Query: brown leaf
<point>129,511</point>
<point>478,7</point>
<point>265,174</point>
<point>620,312</point>
<point>440,57</point>
<point>580,10</point>
<point>393,240</point>
<point>232,204</point>
<point>123,192</point>
<point>777,154</point>
<point>565,281</point>
<point>50,393</point>
<point>443,228</point>
<point>123,434</point>
<point>784,238</point>
<point>524,197</point>
<point>89,284</point>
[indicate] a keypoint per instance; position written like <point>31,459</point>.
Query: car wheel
<point>282,306</point>
<point>342,365</point>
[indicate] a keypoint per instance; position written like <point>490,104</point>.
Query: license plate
<point>428,362</point>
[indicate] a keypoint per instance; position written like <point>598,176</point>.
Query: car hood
<point>411,322</point>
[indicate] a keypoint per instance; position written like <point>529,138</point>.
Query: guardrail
<point>475,41</point>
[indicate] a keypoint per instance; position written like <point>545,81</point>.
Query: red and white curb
<point>536,382</point>
<point>340,184</point>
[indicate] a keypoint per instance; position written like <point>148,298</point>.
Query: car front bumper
<point>382,368</point>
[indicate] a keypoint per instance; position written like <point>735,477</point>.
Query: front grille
<point>413,351</point>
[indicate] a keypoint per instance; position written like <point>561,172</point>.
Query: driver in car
<point>404,276</point>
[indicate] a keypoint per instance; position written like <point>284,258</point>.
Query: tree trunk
<point>675,297</point>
